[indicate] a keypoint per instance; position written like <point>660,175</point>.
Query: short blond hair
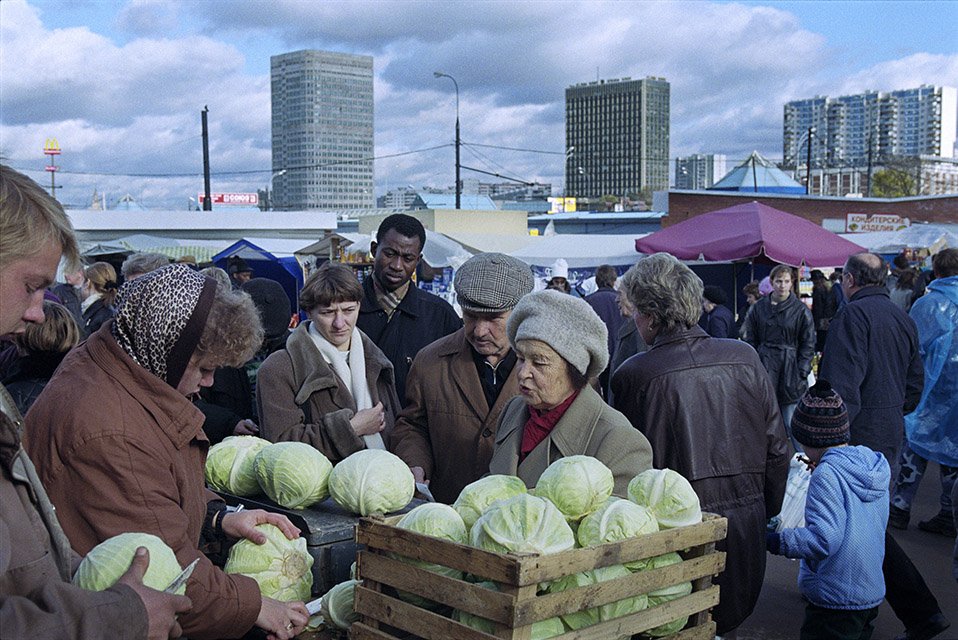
<point>31,220</point>
<point>665,290</point>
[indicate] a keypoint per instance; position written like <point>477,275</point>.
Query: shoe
<point>898,518</point>
<point>926,630</point>
<point>942,524</point>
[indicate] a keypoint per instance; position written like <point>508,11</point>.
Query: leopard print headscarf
<point>160,318</point>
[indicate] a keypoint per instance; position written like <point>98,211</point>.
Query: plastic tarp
<point>747,231</point>
<point>579,250</point>
<point>281,266</point>
<point>917,236</point>
<point>202,250</point>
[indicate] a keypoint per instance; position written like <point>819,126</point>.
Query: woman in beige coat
<point>331,387</point>
<point>561,348</point>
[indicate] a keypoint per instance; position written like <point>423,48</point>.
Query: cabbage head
<point>666,594</point>
<point>229,465</point>
<point>541,630</point>
<point>338,604</point>
<point>280,566</point>
<point>616,520</point>
<point>602,613</point>
<point>294,475</point>
<point>669,495</point>
<point>110,559</point>
<point>478,496</point>
<point>438,521</point>
<point>372,481</point>
<point>522,524</point>
<point>578,485</point>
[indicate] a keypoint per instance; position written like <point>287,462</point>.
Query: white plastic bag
<point>793,507</point>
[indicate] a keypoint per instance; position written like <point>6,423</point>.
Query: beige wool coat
<point>447,426</point>
<point>589,427</point>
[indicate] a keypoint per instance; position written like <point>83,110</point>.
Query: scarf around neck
<point>351,373</point>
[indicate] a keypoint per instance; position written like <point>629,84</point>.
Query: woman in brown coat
<point>331,386</point>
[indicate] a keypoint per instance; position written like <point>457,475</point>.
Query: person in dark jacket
<point>99,293</point>
<point>709,410</point>
<point>824,307</point>
<point>628,342</point>
<point>68,292</point>
<point>399,317</point>
<point>605,302</point>
<point>717,319</point>
<point>43,347</point>
<point>871,359</point>
<point>782,330</point>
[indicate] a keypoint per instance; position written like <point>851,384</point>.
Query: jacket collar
<point>872,290</point>
<point>677,336</point>
<point>177,418</point>
<point>310,367</point>
<point>408,305</point>
<point>463,368</point>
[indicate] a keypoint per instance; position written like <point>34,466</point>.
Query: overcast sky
<point>121,84</point>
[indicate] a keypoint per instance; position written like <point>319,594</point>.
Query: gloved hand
<point>773,542</point>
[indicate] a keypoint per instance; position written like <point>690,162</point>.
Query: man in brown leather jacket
<point>709,410</point>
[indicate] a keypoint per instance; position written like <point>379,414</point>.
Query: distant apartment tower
<point>699,171</point>
<point>910,122</point>
<point>617,137</point>
<point>322,125</point>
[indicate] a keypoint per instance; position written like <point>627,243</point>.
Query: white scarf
<point>89,300</point>
<point>352,375</point>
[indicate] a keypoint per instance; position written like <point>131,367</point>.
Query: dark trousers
<point>838,624</point>
<point>905,589</point>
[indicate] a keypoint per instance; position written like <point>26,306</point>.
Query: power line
<point>494,146</point>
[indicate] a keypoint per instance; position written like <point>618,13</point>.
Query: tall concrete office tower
<point>617,137</point>
<point>322,130</point>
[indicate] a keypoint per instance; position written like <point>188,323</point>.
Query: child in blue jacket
<point>842,544</point>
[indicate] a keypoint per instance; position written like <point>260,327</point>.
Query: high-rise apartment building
<point>617,137</point>
<point>322,125</point>
<point>910,122</point>
<point>699,171</point>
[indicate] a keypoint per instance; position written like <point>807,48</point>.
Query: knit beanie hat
<point>565,323</point>
<point>821,419</point>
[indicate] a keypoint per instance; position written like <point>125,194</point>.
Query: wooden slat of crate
<point>581,598</point>
<point>360,631</point>
<point>458,594</point>
<point>522,570</point>
<point>705,631</point>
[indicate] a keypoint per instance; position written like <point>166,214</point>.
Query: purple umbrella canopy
<point>748,231</point>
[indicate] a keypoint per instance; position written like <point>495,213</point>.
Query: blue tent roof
<point>283,269</point>
<point>757,174</point>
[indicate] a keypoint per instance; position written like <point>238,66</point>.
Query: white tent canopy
<point>917,236</point>
<point>580,250</point>
<point>440,251</point>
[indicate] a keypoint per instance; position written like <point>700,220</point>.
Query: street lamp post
<point>269,192</point>
<point>440,74</point>
<point>806,137</point>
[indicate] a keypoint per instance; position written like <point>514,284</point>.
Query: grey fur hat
<point>492,282</point>
<point>565,323</point>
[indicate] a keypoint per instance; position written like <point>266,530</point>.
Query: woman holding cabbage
<point>331,386</point>
<point>561,347</point>
<point>127,454</point>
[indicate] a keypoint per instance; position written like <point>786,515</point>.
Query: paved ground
<point>780,609</point>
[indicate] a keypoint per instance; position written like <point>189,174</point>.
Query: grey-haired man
<point>459,384</point>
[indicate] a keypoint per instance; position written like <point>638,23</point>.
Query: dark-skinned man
<point>459,384</point>
<point>397,315</point>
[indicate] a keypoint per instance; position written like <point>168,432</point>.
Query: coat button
<point>486,433</point>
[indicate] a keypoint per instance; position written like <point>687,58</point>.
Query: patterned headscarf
<point>160,317</point>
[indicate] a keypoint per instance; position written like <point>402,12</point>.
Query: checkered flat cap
<point>492,282</point>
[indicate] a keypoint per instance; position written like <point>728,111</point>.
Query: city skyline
<point>121,84</point>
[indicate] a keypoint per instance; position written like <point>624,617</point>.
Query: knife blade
<point>314,606</point>
<point>423,489</point>
<point>181,579</point>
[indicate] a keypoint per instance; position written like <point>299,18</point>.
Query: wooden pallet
<point>516,605</point>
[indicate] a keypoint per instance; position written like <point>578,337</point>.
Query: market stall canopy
<point>579,250</point>
<point>278,264</point>
<point>747,231</point>
<point>173,248</point>
<point>917,236</point>
<point>758,175</point>
<point>97,249</point>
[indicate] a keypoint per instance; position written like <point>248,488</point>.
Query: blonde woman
<point>99,294</point>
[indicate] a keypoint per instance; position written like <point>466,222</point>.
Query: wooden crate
<point>516,605</point>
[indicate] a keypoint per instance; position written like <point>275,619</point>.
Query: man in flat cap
<point>459,384</point>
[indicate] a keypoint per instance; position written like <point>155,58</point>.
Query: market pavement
<point>780,609</point>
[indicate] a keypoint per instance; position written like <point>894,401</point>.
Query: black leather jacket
<point>784,336</point>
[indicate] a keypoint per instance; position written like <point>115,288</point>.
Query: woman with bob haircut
<point>42,348</point>
<point>99,295</point>
<point>331,387</point>
<point>561,347</point>
<point>129,452</point>
<point>709,410</point>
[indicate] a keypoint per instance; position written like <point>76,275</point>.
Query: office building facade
<point>699,171</point>
<point>322,126</point>
<point>871,127</point>
<point>617,137</point>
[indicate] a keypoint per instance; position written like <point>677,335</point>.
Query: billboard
<point>863,222</point>
<point>245,199</point>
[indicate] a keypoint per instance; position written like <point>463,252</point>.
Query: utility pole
<point>808,163</point>
<point>440,74</point>
<point>868,187</point>
<point>917,175</point>
<point>208,200</point>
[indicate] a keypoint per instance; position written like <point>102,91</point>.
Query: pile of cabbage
<point>296,475</point>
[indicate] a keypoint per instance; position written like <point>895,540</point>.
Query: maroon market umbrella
<point>747,231</point>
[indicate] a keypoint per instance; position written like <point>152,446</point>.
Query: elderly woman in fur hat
<point>561,347</point>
